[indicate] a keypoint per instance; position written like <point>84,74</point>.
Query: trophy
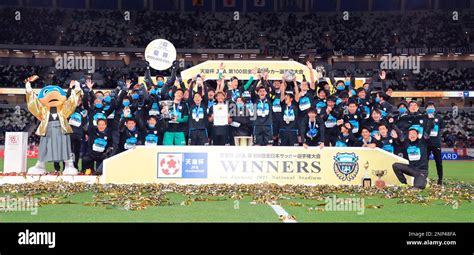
<point>289,75</point>
<point>379,183</point>
<point>320,69</point>
<point>243,141</point>
<point>166,105</point>
<point>366,181</point>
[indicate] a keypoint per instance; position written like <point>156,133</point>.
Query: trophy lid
<point>160,54</point>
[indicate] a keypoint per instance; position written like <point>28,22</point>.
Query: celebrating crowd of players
<point>279,113</point>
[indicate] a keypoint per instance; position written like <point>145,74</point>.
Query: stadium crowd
<point>459,131</point>
<point>14,119</point>
<point>451,79</point>
<point>292,33</point>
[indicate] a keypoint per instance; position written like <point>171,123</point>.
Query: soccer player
<point>374,121</point>
<point>434,143</point>
<point>277,98</point>
<point>364,102</point>
<point>417,158</point>
<point>220,131</point>
<point>241,124</point>
<point>366,139</point>
<point>313,130</point>
<point>152,131</point>
<point>99,147</point>
<point>177,126</point>
<point>354,117</point>
<point>415,118</point>
<point>389,139</point>
<point>381,103</point>
<point>331,113</point>
<point>262,125</point>
<point>289,120</point>
<point>198,120</point>
<point>345,138</point>
<point>130,135</point>
<point>304,95</point>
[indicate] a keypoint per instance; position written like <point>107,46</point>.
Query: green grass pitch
<point>230,210</point>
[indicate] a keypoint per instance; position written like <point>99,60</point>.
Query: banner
<point>242,69</point>
<point>29,153</point>
<point>15,152</point>
<point>456,154</point>
<point>252,164</point>
<point>447,156</point>
<point>450,94</point>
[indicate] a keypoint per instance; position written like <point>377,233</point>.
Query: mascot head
<point>52,96</point>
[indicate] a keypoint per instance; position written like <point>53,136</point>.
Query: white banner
<point>15,152</point>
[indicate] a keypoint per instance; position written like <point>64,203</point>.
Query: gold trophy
<point>379,183</point>
<point>168,113</point>
<point>243,141</point>
<point>289,75</point>
<point>366,181</point>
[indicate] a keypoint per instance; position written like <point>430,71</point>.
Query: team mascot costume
<point>52,108</point>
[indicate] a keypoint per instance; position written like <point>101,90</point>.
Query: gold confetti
<point>142,196</point>
<point>374,206</point>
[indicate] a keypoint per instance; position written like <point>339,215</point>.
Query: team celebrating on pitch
<point>310,113</point>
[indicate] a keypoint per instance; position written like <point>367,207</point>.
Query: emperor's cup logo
<point>170,165</point>
<point>13,140</point>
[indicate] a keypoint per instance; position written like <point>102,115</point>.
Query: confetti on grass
<point>141,196</point>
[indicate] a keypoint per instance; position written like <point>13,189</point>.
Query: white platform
<point>91,179</point>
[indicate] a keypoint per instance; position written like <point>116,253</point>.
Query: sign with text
<point>15,152</point>
<point>242,69</point>
<point>247,165</point>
